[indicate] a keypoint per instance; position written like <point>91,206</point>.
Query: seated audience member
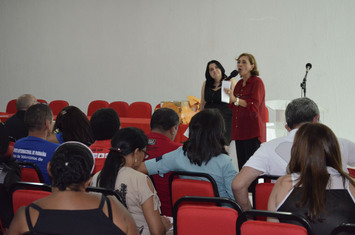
<point>104,124</point>
<point>204,152</point>
<point>35,148</point>
<point>164,126</point>
<point>272,157</point>
<point>72,125</point>
<point>70,209</point>
<point>136,189</point>
<point>9,174</point>
<point>316,186</point>
<point>16,124</point>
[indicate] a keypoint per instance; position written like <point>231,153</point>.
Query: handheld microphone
<point>233,74</point>
<point>308,66</point>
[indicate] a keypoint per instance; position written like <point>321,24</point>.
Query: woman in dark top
<point>69,209</point>
<point>316,186</point>
<point>211,94</point>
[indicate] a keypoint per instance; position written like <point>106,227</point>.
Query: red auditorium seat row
<point>134,110</point>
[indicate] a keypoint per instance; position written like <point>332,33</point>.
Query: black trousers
<point>245,149</point>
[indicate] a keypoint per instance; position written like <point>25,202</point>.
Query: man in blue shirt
<point>35,148</point>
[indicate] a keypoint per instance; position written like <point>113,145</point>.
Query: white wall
<point>133,50</point>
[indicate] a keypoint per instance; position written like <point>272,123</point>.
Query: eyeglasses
<point>146,154</point>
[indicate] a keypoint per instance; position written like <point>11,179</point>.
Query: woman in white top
<point>136,188</point>
<point>316,186</point>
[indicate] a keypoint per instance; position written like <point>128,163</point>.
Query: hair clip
<point>118,150</point>
<point>66,163</point>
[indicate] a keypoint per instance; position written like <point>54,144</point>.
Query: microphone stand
<point>303,84</point>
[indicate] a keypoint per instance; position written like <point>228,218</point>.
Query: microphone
<point>308,66</point>
<point>233,74</point>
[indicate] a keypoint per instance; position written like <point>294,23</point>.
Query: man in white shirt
<point>273,157</point>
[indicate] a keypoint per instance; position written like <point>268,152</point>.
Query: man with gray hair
<point>15,125</point>
<point>273,157</point>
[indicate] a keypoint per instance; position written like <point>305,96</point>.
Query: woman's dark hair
<point>124,142</point>
<point>206,139</point>
<point>74,125</point>
<point>104,123</point>
<point>314,149</point>
<point>71,166</point>
<point>209,79</point>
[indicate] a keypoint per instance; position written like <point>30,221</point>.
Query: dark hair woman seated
<point>69,209</point>
<point>316,185</point>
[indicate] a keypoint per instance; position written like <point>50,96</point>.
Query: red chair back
<point>188,187</point>
<point>30,172</point>
<point>246,226</point>
<point>24,197</point>
<point>11,106</point>
<point>95,105</point>
<point>120,107</point>
<point>10,150</point>
<point>193,216</point>
<point>262,194</point>
<point>29,175</point>
<point>42,101</point>
<point>99,164</point>
<point>262,227</point>
<point>57,106</point>
<point>351,172</point>
<point>140,110</point>
<point>191,187</point>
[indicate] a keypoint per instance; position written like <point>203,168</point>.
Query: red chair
<point>24,193</point>
<point>351,172</point>
<point>99,164</point>
<point>11,106</point>
<point>191,187</point>
<point>10,150</point>
<point>42,101</point>
<point>261,192</point>
<point>192,216</point>
<point>120,107</point>
<point>57,106</point>
<point>253,227</point>
<point>95,105</point>
<point>30,172</point>
<point>266,114</point>
<point>140,110</point>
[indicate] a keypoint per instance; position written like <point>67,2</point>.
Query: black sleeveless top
<point>213,100</point>
<point>340,208</point>
<point>92,221</point>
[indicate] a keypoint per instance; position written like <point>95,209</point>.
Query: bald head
<point>25,101</point>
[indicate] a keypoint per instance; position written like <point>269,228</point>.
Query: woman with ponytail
<point>138,193</point>
<point>70,209</point>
